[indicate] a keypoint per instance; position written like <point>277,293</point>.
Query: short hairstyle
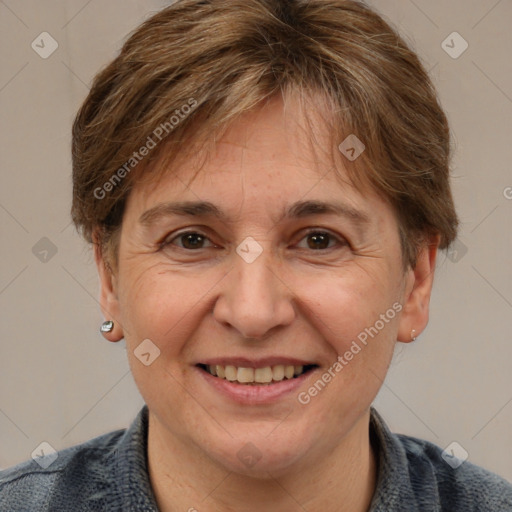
<point>194,67</point>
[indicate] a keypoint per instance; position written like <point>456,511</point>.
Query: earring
<point>107,326</point>
<point>413,335</point>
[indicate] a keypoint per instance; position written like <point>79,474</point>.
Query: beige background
<point>60,382</point>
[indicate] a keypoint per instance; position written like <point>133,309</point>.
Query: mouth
<point>268,375</point>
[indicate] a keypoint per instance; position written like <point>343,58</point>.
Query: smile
<point>257,376</point>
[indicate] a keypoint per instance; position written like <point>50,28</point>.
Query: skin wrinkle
<point>282,303</point>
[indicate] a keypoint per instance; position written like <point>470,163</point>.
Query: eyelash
<point>341,242</point>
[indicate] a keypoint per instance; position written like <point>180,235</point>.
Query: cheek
<point>356,314</point>
<point>347,315</point>
<point>163,305</point>
<point>343,304</point>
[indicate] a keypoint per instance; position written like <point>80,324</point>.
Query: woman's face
<point>266,283</point>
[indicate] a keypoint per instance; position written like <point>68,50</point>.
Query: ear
<point>109,301</point>
<point>418,287</point>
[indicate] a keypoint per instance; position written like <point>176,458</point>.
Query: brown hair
<point>197,65</point>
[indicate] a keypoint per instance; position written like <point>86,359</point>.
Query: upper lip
<point>245,362</point>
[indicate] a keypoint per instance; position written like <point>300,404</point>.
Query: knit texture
<point>110,474</point>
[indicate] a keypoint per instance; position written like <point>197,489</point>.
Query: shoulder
<point>84,468</point>
<point>416,475</point>
<point>460,484</point>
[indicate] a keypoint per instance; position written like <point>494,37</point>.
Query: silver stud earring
<point>107,326</point>
<point>413,335</point>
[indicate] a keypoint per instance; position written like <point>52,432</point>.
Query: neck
<point>184,478</point>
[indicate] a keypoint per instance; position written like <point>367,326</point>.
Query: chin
<point>266,456</point>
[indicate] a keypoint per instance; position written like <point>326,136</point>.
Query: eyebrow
<point>297,210</point>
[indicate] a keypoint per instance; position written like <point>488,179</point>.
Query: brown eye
<point>192,240</point>
<point>318,240</point>
<point>321,240</point>
<point>189,240</point>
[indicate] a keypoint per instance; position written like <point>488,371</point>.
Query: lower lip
<point>255,394</point>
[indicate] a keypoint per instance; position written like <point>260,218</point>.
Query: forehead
<point>277,145</point>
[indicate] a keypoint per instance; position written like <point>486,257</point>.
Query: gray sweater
<point>109,473</point>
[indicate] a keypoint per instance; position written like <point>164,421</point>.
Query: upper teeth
<point>260,375</point>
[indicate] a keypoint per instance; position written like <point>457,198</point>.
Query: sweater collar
<point>132,467</point>
<point>398,486</point>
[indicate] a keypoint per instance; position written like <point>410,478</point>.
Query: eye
<point>192,240</point>
<point>321,240</point>
<point>189,240</point>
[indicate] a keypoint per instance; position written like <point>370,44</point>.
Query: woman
<point>266,187</point>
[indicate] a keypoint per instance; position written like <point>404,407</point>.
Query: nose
<point>254,299</point>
